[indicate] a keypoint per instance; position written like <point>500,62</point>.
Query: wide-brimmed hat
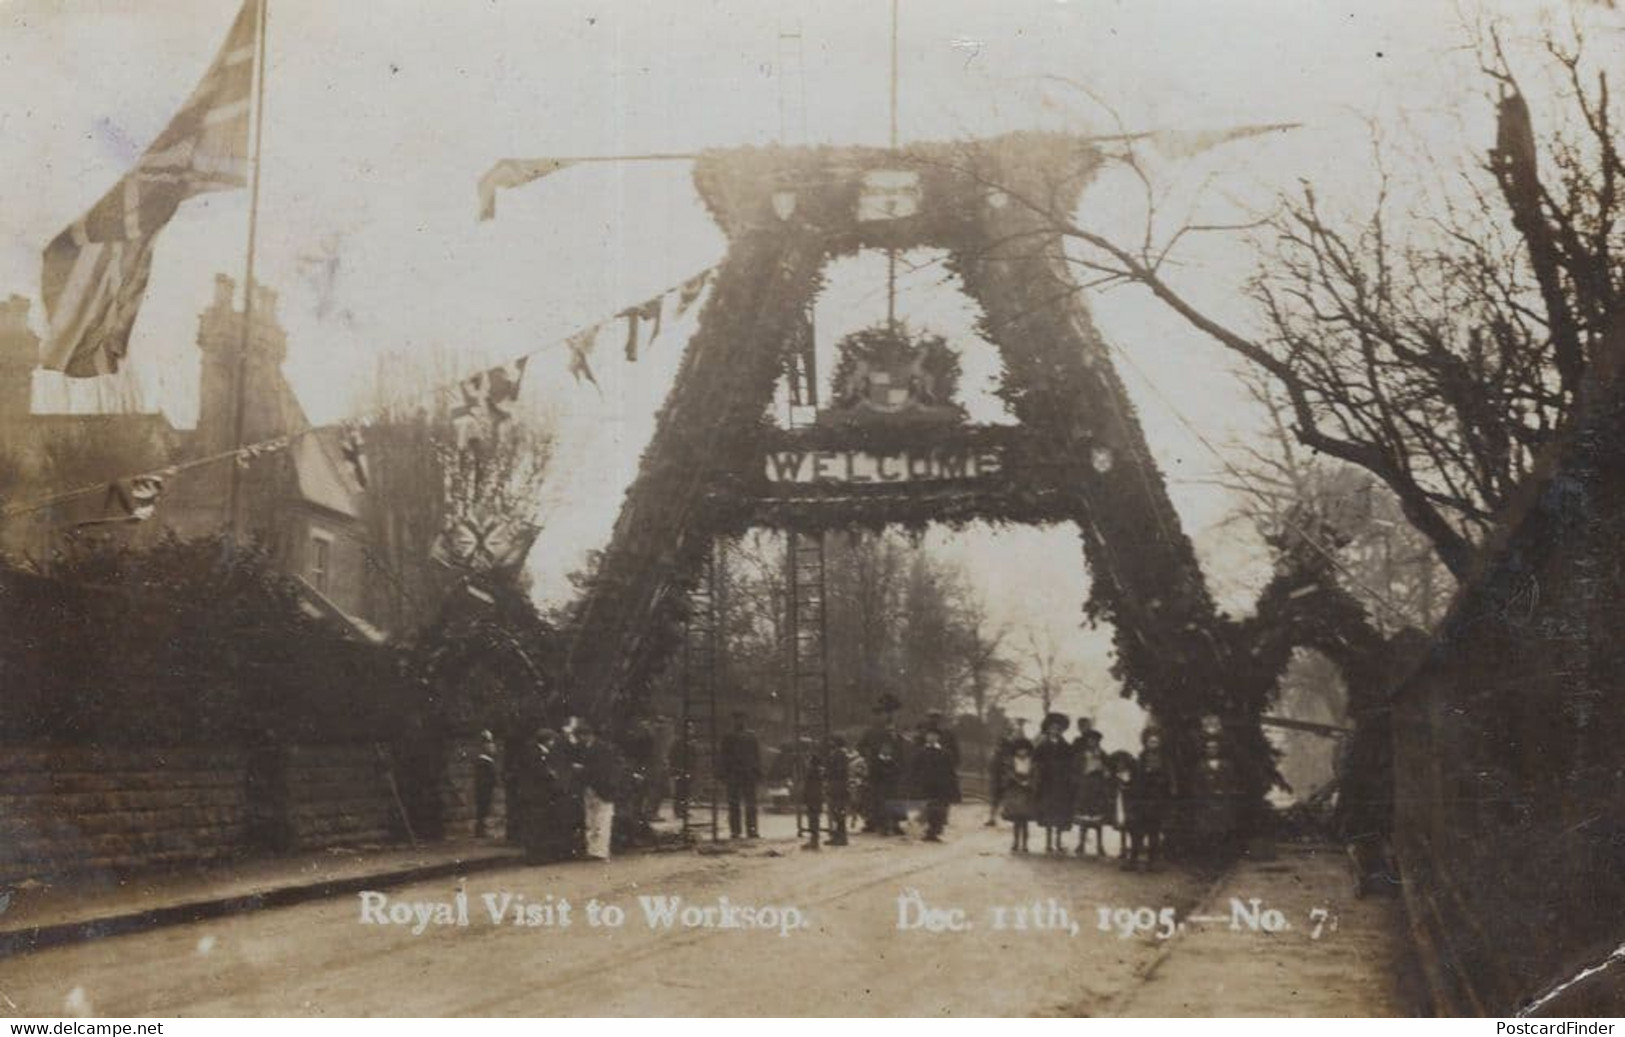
<point>1092,735</point>
<point>1054,720</point>
<point>888,703</point>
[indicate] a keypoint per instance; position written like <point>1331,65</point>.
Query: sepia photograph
<point>786,509</point>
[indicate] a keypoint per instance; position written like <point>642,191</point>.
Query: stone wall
<point>340,795</point>
<point>88,811</point>
<point>93,811</point>
<point>85,812</point>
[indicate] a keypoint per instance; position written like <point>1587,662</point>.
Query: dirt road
<point>408,951</point>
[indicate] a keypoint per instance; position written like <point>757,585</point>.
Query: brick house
<point>303,501</point>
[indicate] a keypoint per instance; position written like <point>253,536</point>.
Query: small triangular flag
<point>581,345</point>
<point>689,292</point>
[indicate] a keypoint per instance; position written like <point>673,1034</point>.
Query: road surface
<point>384,956</point>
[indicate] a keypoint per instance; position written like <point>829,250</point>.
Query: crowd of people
<point>1060,785</point>
<point>1053,782</point>
<point>572,793</point>
<point>562,788</point>
<point>895,770</point>
<point>875,783</point>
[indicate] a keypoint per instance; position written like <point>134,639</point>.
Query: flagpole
<point>891,253</point>
<point>239,382</point>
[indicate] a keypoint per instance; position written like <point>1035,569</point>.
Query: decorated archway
<point>1079,453</point>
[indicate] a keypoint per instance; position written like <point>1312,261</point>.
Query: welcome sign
<point>925,464</point>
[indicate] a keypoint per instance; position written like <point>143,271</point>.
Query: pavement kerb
<point>28,939</point>
<point>1165,948</point>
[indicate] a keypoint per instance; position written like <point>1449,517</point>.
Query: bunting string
<point>485,387</point>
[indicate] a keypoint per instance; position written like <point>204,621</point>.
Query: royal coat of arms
<point>888,373</point>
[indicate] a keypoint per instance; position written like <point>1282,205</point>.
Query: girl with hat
<point>1019,792</point>
<point>1096,795</point>
<point>1052,757</point>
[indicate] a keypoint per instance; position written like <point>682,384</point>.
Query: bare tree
<point>865,575</point>
<point>984,671</point>
<point>1437,350</point>
<point>1047,675</point>
<point>900,621</point>
<point>1299,501</point>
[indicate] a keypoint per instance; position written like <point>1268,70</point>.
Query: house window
<point>321,560</point>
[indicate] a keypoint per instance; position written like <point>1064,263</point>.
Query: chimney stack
<point>19,356</point>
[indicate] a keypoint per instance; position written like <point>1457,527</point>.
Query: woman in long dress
<point>547,825</point>
<point>1053,759</point>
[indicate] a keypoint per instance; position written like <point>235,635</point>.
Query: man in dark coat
<point>1364,814</point>
<point>812,789</point>
<point>485,782</point>
<point>883,750</point>
<point>638,747</point>
<point>682,768</point>
<point>1146,801</point>
<point>740,762</point>
<point>950,744</point>
<point>936,782</point>
<point>837,773</point>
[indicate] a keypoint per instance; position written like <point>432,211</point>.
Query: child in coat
<point>1020,799</point>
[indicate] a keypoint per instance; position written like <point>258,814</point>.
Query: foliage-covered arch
<point>993,206</point>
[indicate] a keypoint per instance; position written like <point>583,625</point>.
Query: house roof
<point>323,478</point>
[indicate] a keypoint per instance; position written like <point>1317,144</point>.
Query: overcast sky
<point>380,118</point>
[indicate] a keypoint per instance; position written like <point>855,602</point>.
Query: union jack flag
<point>95,272</point>
<point>486,401</point>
